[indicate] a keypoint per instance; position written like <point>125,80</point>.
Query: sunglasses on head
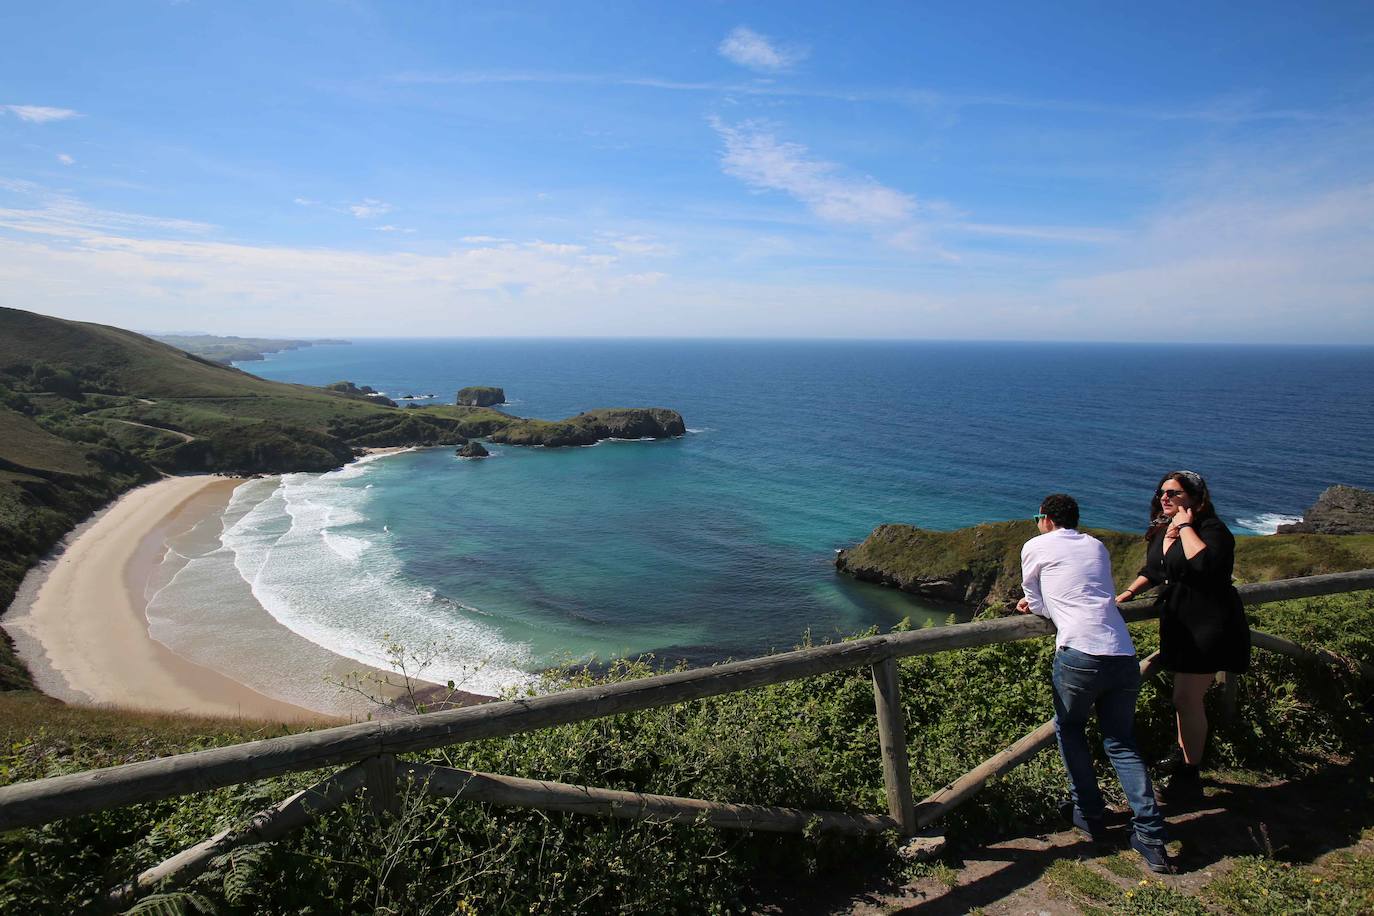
<point>1170,494</point>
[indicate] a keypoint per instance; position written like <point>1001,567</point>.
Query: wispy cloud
<point>748,48</point>
<point>758,158</point>
<point>1226,110</point>
<point>40,114</point>
<point>60,256</point>
<point>65,159</point>
<point>370,207</point>
<point>62,216</point>
<point>390,228</point>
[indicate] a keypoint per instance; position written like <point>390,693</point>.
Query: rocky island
<point>480,396</point>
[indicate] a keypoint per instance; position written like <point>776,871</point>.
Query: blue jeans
<point>1108,684</point>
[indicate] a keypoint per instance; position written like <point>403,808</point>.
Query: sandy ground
<point>86,626</point>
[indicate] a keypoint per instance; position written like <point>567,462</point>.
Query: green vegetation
<point>1342,883</point>
<point>235,349</point>
<point>810,743</point>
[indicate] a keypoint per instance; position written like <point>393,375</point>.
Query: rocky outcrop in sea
<point>1339,510</point>
<point>480,396</point>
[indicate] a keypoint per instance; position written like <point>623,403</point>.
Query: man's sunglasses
<point>1038,516</point>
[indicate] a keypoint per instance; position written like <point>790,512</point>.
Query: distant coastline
<point>228,350</point>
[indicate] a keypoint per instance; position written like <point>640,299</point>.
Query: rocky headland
<point>228,350</point>
<point>593,426</point>
<point>1338,510</point>
<point>980,566</point>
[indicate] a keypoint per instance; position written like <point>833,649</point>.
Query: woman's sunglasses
<point>1170,494</point>
<point>1038,516</point>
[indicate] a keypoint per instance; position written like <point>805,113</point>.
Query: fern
<point>176,903</point>
<point>241,868</point>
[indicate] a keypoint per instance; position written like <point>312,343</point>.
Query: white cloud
<point>65,159</point>
<point>755,156</point>
<point>40,114</point>
<point>61,257</point>
<point>306,202</point>
<point>748,48</point>
<point>638,245</point>
<point>61,216</point>
<point>390,228</point>
<point>369,208</point>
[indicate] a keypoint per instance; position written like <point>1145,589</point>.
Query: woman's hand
<point>1184,516</point>
<point>1125,596</point>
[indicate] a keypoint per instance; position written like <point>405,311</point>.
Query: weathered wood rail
<point>371,748</point>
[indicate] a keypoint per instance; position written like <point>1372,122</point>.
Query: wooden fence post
<point>381,784</point>
<point>892,738</point>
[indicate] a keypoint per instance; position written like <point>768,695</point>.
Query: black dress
<point>1202,625</point>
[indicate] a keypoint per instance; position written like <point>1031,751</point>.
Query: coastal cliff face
<point>593,426</point>
<point>480,396</point>
<point>980,566</point>
<point>1339,510</point>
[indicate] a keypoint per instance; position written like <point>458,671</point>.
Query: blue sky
<point>960,170</point>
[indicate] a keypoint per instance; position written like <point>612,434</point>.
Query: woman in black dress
<point>1202,626</point>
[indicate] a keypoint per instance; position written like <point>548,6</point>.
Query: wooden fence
<point>370,749</point>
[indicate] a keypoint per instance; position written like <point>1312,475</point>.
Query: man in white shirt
<point>1067,577</point>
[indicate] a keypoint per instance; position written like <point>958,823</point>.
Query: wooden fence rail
<point>40,801</point>
<point>372,747</point>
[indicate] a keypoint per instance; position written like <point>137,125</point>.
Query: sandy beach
<point>84,634</point>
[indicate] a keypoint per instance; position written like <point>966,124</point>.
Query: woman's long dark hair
<point>1196,488</point>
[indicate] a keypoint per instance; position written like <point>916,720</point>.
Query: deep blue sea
<point>721,543</point>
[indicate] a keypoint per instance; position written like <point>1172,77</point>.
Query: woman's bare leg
<point>1189,689</point>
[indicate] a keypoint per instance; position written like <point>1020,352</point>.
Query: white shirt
<point>1067,577</point>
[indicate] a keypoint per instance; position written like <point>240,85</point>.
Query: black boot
<point>1184,785</point>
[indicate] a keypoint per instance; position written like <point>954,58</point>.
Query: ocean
<point>721,543</point>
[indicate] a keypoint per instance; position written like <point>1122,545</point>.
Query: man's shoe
<point>1091,827</point>
<point>1155,855</point>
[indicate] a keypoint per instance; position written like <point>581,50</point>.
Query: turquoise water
<point>721,543</point>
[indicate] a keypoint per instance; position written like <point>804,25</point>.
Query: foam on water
<point>302,552</point>
<point>305,552</point>
<point>1265,522</point>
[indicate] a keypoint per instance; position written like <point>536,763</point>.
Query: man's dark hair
<point>1062,509</point>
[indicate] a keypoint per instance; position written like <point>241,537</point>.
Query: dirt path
<point>185,437</point>
<point>1296,821</point>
